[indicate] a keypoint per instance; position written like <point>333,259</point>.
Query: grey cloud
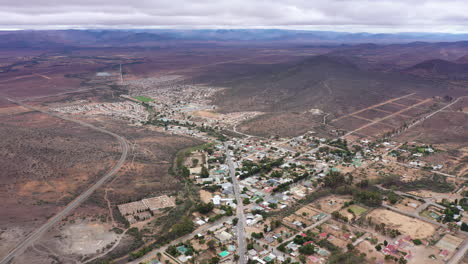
<point>357,15</point>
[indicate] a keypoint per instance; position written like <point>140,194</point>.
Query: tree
<point>346,258</point>
<point>369,198</point>
<point>184,226</point>
<point>204,172</point>
<point>378,247</point>
<point>257,235</point>
<point>211,244</point>
<point>205,208</point>
<point>307,249</point>
<point>464,227</point>
<point>214,260</point>
<point>185,172</point>
<point>333,180</point>
<point>393,197</point>
<point>402,261</point>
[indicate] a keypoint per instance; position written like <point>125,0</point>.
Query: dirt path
<point>387,117</point>
<point>110,249</point>
<point>373,106</point>
<point>36,234</point>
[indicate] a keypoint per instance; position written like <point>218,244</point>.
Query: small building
<point>223,236</point>
<point>223,254</point>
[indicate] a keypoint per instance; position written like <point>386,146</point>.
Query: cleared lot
<point>406,225</point>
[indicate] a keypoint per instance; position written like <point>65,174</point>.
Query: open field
<point>143,99</point>
<point>332,203</point>
<point>408,205</point>
<point>376,123</point>
<point>84,238</point>
<point>47,162</point>
<point>357,210</point>
<point>406,225</point>
<point>445,131</point>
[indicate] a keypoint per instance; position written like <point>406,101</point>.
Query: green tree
<point>205,208</point>
<point>184,226</point>
<point>204,172</point>
<point>307,249</point>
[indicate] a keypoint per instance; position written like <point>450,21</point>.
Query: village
<point>306,199</point>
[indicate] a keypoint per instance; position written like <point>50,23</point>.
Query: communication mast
<point>121,75</point>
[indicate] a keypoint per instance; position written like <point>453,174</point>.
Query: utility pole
<point>121,74</point>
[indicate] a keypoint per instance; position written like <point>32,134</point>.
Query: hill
<point>462,60</point>
<point>154,37</point>
<point>440,69</point>
<point>290,91</point>
<point>331,84</point>
<point>402,55</point>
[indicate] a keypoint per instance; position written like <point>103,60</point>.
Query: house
<point>223,254</point>
<point>132,208</point>
<point>143,216</point>
<point>155,261</point>
<point>269,239</point>
<point>252,220</point>
<point>292,246</point>
<point>259,260</point>
<point>252,252</point>
<point>200,222</point>
<point>223,236</point>
<point>216,200</point>
<point>313,259</point>
<point>319,217</point>
<point>182,249</point>
<point>184,258</point>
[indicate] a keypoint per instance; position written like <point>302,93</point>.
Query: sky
<point>448,16</point>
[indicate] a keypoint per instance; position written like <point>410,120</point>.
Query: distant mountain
<point>463,60</point>
<point>30,39</point>
<point>440,69</point>
<point>401,56</point>
<point>148,37</point>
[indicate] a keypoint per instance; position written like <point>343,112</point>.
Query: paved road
<point>26,242</point>
<point>458,256</point>
<point>241,246</point>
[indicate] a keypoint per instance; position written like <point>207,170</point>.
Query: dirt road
<point>29,240</point>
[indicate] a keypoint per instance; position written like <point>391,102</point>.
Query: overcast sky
<point>337,15</point>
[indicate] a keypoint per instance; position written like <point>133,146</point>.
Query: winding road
<point>29,240</point>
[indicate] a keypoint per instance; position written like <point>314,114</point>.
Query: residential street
<point>153,254</point>
<point>241,246</point>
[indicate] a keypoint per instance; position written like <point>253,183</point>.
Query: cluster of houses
<point>146,208</point>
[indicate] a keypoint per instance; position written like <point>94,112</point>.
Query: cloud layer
<point>337,15</point>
